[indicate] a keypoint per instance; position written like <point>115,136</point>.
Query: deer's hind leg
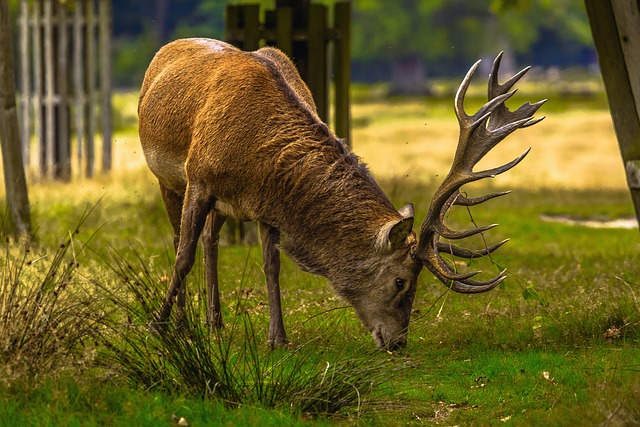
<point>270,238</point>
<point>210,240</point>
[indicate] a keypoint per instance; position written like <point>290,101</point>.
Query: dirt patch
<point>626,223</point>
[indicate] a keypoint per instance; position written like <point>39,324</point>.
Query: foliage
<point>442,34</point>
<point>438,30</point>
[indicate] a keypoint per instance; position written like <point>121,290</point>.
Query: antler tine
<point>459,252</point>
<point>463,283</point>
<point>492,173</point>
<point>496,88</point>
<point>477,287</point>
<point>447,233</point>
<point>479,133</point>
<point>472,201</point>
<point>462,89</point>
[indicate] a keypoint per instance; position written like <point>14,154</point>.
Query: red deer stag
<point>236,134</point>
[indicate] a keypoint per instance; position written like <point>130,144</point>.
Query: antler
<point>478,135</point>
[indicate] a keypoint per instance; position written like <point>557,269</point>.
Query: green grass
<point>569,309</point>
<point>558,343</point>
<point>231,365</point>
<point>69,401</point>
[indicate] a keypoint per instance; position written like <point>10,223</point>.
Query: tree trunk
<point>160,21</point>
<point>14,177</point>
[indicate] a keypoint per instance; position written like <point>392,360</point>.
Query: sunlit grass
<point>573,149</point>
<point>46,312</point>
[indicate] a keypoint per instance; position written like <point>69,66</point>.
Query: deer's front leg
<point>270,238</point>
<point>194,213</point>
<point>210,241</point>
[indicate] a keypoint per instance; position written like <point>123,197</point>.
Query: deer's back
<point>212,113</point>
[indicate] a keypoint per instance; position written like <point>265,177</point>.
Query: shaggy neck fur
<point>331,208</point>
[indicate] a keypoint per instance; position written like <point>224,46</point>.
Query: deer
<point>235,134</point>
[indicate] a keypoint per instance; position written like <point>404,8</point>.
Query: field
<point>556,344</point>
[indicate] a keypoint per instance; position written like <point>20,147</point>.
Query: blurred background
<point>403,42</point>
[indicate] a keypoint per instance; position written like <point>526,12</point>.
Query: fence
<point>302,31</point>
<point>65,79</point>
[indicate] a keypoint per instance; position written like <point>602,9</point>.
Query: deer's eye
<point>400,282</point>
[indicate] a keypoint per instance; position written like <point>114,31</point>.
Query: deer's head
<point>385,307</point>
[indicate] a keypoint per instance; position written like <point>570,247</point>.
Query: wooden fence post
<point>89,89</point>
<point>38,79</point>
<point>284,30</point>
<point>25,84</point>
<point>251,25</point>
<point>105,83</point>
<point>62,158</point>
<point>48,146</point>
<point>317,71</point>
<point>80,100</point>
<point>342,70</point>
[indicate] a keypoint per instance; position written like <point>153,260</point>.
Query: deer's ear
<point>394,234</point>
<point>406,211</point>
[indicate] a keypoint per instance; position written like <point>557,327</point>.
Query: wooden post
<point>90,80</point>
<point>317,72</point>
<point>342,70</point>
<point>62,141</point>
<point>105,83</point>
<point>80,101</point>
<point>299,41</point>
<point>284,30</point>
<point>49,123</point>
<point>251,26</point>
<point>616,34</point>
<point>231,24</point>
<point>25,83</point>
<point>14,177</point>
<point>38,79</point>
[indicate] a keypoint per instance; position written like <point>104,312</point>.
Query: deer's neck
<point>331,207</point>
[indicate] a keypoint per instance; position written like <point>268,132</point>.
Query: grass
<point>555,344</point>
<point>230,365</point>
<point>44,315</point>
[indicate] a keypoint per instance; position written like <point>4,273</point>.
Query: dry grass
<point>573,150</point>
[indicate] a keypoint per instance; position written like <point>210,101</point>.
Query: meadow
<point>556,344</point>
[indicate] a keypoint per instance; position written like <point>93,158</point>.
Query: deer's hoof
<point>278,342</point>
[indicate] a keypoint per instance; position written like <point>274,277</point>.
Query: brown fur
<point>235,134</point>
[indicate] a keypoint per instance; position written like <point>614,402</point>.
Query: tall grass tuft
<point>232,365</point>
<point>45,313</point>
